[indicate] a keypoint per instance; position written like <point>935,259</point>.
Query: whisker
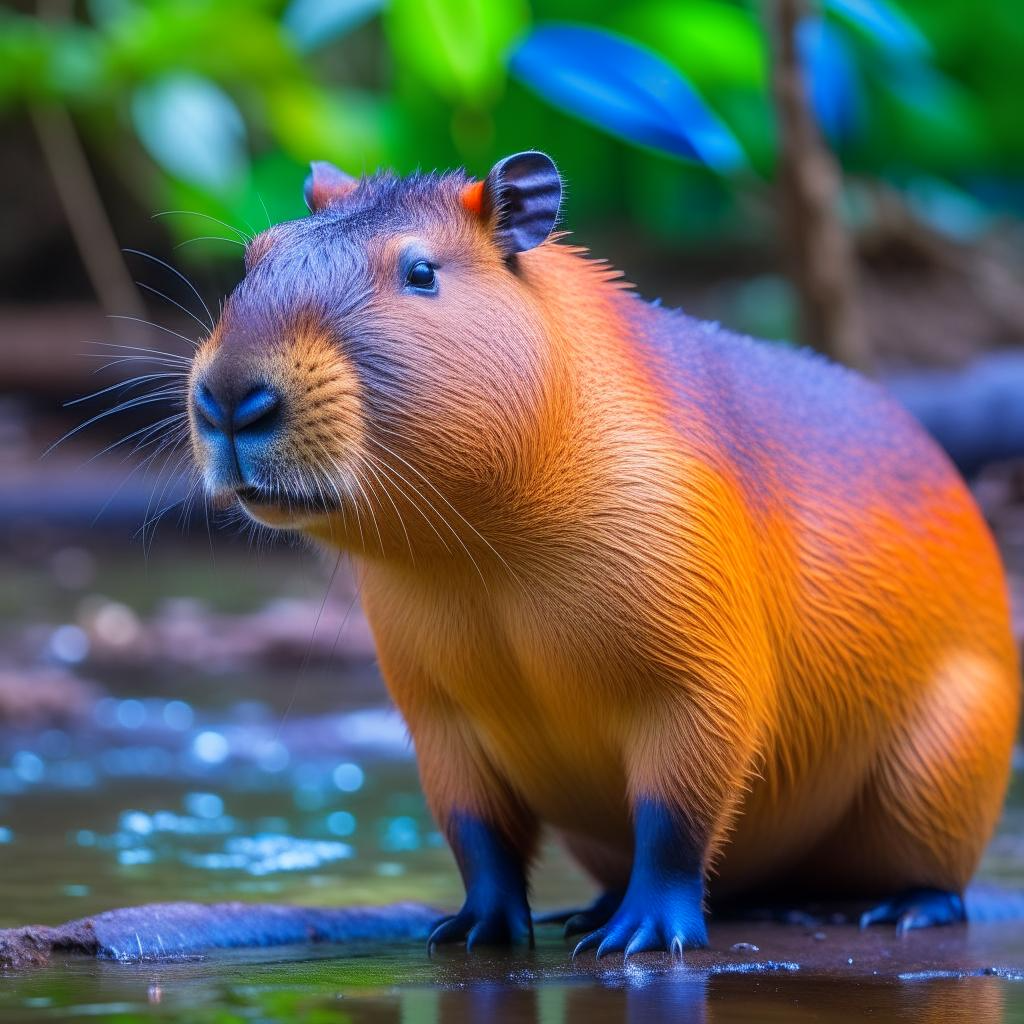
<point>144,350</point>
<point>266,212</point>
<point>174,476</point>
<point>394,472</point>
<point>309,647</point>
<point>205,216</point>
<point>131,403</point>
<point>131,382</point>
<point>369,507</point>
<point>173,302</point>
<point>428,482</point>
<point>209,238</point>
<point>150,323</point>
<point>141,464</point>
<point>153,428</point>
<point>113,361</point>
<point>368,463</point>
<point>179,274</point>
<point>444,521</point>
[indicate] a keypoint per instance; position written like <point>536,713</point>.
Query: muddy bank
<point>170,931</point>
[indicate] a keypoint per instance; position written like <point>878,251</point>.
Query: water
<point>283,784</point>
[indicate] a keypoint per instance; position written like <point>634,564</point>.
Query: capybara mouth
<point>285,500</point>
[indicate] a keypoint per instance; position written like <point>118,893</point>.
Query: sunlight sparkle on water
<point>211,747</point>
<point>348,777</point>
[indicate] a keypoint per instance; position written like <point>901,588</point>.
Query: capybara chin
<point>716,610</point>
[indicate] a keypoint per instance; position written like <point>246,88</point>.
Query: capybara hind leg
<point>609,867</point>
<point>933,799</point>
<point>584,919</point>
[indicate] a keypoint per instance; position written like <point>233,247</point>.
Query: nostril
<point>257,409</point>
<point>207,408</point>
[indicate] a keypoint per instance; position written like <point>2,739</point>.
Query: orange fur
<point>473,197</point>
<point>585,590</point>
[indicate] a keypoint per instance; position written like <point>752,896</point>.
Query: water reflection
<point>702,999</point>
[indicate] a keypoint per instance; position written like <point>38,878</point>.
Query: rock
<point>32,698</point>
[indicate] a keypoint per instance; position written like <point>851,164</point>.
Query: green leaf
<point>714,44</point>
<point>39,61</point>
<point>886,25</point>
<point>458,47</point>
<point>349,128</point>
<point>229,42</point>
<point>193,129</point>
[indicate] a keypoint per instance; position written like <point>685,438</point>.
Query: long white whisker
<point>150,323</point>
<point>173,302</point>
<point>394,473</point>
<point>368,461</point>
<point>205,216</point>
<point>179,274</point>
<point>131,382</point>
<point>131,403</point>
<point>427,481</point>
<point>146,351</point>
<point>210,238</point>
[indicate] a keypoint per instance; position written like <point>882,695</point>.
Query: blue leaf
<point>193,129</point>
<point>831,76</point>
<point>887,26</point>
<point>311,23</point>
<point>626,90</point>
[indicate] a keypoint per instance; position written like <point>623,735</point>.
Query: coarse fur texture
<point>617,558</point>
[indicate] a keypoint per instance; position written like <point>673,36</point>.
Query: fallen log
<point>164,931</point>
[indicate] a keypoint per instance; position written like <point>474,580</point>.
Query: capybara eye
<point>421,275</point>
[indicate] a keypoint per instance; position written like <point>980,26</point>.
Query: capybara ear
<point>520,197</point>
<point>326,184</point>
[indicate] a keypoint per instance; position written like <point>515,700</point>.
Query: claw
<point>921,908</point>
<point>588,942</point>
<point>441,932</point>
<point>644,940</point>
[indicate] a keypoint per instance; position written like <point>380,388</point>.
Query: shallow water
<point>296,785</point>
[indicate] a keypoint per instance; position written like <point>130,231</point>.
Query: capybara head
<point>384,359</point>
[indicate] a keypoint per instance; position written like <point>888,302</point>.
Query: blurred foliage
<point>217,105</point>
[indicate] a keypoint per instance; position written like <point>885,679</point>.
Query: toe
<point>645,940</point>
<point>450,929</point>
<point>610,944</point>
<point>884,913</point>
<point>589,942</point>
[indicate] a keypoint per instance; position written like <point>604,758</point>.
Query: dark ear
<point>326,184</point>
<point>521,197</point>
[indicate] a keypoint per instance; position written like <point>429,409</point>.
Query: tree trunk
<point>821,258</point>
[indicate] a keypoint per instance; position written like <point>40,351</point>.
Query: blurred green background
<point>216,107</point>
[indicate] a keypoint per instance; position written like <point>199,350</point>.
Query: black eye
<point>421,275</point>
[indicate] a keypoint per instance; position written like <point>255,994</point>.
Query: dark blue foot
<point>662,909</point>
<point>496,911</point>
<point>666,922</point>
<point>584,919</point>
<point>917,908</point>
<point>485,926</point>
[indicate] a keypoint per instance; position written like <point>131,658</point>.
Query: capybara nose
<point>236,431</point>
<point>257,412</point>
